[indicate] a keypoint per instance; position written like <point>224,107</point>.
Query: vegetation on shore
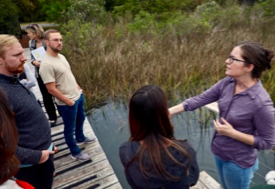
<point>185,53</point>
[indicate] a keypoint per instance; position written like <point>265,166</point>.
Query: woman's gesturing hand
<point>224,128</point>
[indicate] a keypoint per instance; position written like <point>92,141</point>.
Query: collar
<point>252,91</point>
<point>9,79</point>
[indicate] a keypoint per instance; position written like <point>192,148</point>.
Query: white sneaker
<point>81,157</point>
<point>87,140</point>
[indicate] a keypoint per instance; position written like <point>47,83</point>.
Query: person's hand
<point>36,63</point>
<point>45,156</point>
<point>70,102</point>
<point>225,128</point>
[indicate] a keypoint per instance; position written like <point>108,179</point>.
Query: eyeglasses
<point>231,59</point>
<point>56,40</point>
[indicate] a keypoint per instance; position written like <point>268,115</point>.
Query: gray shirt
<point>249,112</point>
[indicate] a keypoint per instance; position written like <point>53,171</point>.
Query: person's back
<point>152,158</point>
<point>137,180</point>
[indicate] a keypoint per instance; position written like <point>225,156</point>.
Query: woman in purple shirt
<point>246,122</point>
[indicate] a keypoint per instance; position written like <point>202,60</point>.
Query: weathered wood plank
<point>93,179</point>
<point>206,182</point>
<point>114,186</point>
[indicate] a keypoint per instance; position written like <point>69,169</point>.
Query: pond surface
<point>110,124</point>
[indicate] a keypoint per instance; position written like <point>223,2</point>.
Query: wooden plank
<point>199,185</point>
<point>114,186</point>
<point>208,181</point>
<point>103,178</point>
<point>88,174</point>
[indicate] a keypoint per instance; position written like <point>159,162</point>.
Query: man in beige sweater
<point>60,82</point>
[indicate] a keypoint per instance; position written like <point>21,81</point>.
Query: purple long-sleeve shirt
<point>249,112</point>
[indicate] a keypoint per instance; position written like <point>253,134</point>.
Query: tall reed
<point>109,61</point>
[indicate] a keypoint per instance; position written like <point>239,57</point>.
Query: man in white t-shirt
<point>60,82</point>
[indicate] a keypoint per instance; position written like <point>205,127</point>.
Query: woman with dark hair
<point>246,123</point>
<point>9,163</point>
<point>153,158</point>
<point>35,33</point>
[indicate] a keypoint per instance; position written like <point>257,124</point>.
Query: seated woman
<point>153,158</point>
<point>9,163</point>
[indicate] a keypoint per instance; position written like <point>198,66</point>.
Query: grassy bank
<point>114,60</point>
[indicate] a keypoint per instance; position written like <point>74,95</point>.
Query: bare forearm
<point>176,109</point>
<point>242,137</point>
<point>57,94</point>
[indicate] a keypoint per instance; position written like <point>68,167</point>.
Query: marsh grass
<point>111,62</point>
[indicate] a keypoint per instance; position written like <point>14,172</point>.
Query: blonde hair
<point>6,41</point>
<point>36,29</point>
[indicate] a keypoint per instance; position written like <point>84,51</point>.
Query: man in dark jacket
<point>34,147</point>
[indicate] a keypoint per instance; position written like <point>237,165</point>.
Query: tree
<point>53,8</point>
<point>9,18</point>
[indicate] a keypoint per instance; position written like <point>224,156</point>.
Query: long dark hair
<point>150,123</point>
<point>9,163</point>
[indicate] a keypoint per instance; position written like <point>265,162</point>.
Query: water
<point>110,124</point>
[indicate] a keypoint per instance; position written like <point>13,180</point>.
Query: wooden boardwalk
<point>94,173</point>
<point>97,172</point>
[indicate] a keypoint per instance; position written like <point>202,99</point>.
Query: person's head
<point>148,114</point>
<point>9,163</point>
<point>150,125</point>
<point>34,31</point>
<point>249,57</point>
<point>53,40</point>
<point>11,55</point>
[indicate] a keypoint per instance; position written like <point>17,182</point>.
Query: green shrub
<point>9,18</point>
<point>86,11</point>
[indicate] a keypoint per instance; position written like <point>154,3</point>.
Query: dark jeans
<point>73,118</point>
<point>48,99</point>
<point>40,176</point>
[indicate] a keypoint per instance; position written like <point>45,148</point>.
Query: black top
<point>137,180</point>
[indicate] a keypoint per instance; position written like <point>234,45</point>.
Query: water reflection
<point>110,124</point>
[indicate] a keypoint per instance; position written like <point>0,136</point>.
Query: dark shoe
<point>53,123</point>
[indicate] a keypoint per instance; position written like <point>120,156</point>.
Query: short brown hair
<point>48,32</point>
<point>6,41</point>
<point>36,29</point>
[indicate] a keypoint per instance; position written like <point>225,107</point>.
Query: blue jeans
<point>73,118</point>
<point>232,176</point>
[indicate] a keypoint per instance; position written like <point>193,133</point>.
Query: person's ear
<point>250,67</point>
<point>46,41</point>
<point>1,61</point>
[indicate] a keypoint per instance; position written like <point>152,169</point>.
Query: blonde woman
<point>35,33</point>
